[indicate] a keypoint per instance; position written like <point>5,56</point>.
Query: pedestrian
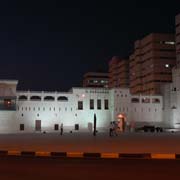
<point>115,128</point>
<point>61,129</point>
<point>111,129</point>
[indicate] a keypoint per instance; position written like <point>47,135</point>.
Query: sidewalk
<point>85,142</point>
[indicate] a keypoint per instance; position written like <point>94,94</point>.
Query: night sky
<point>49,45</point>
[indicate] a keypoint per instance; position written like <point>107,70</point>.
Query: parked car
<point>149,128</point>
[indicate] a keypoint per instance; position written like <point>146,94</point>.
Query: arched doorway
<point>121,118</point>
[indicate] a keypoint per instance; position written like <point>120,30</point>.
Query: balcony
<point>4,107</point>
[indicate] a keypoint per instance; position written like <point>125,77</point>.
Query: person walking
<point>115,128</point>
<point>61,129</point>
<point>111,127</point>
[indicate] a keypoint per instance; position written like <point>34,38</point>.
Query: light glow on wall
<point>83,95</point>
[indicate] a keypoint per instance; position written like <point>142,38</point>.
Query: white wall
<point>64,112</point>
<point>138,112</point>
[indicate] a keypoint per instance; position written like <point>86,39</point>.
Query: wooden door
<point>38,125</point>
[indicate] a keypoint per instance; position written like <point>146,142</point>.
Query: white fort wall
<point>64,111</point>
<point>175,86</point>
<point>174,93</point>
<point>8,122</point>
<point>121,103</point>
<point>45,111</point>
<point>138,110</point>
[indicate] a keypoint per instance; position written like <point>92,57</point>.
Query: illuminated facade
<point>30,111</point>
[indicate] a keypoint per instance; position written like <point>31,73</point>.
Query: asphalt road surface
<point>27,168</point>
<point>86,142</point>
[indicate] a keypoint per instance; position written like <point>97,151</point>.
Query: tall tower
<point>118,72</point>
<point>151,63</point>
<point>175,89</point>
<point>178,39</point>
<point>176,70</point>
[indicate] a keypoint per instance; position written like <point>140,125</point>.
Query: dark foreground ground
<point>26,168</point>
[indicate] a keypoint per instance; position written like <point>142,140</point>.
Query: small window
<point>22,98</point>
<point>76,127</point>
<point>54,108</point>
<point>145,100</point>
<point>106,104</point>
<point>29,108</point>
<point>155,100</point>
<point>49,98</point>
<point>98,104</point>
<point>22,115</point>
<point>135,100</point>
<point>62,98</point>
<point>80,105</point>
<point>37,115</point>
<point>56,127</point>
<point>91,103</point>
<point>38,108</point>
<point>65,108</point>
<point>21,127</point>
<point>34,109</point>
<point>35,98</point>
<point>43,108</point>
<point>50,108</point>
<point>173,107</point>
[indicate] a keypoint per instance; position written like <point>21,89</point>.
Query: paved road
<point>86,142</point>
<point>18,168</point>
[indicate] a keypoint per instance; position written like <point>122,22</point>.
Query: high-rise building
<point>95,79</point>
<point>151,63</point>
<point>178,39</point>
<point>118,72</point>
<point>113,71</point>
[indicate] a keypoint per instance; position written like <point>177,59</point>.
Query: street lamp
<point>94,133</point>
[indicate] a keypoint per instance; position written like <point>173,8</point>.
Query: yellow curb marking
<point>163,156</point>
<point>43,153</point>
<point>109,155</point>
<point>75,154</point>
<point>14,153</point>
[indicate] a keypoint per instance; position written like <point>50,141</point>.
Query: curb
<point>90,155</point>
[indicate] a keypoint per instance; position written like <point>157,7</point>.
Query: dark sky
<point>49,45</point>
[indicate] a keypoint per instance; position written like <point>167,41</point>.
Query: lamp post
<point>94,133</point>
